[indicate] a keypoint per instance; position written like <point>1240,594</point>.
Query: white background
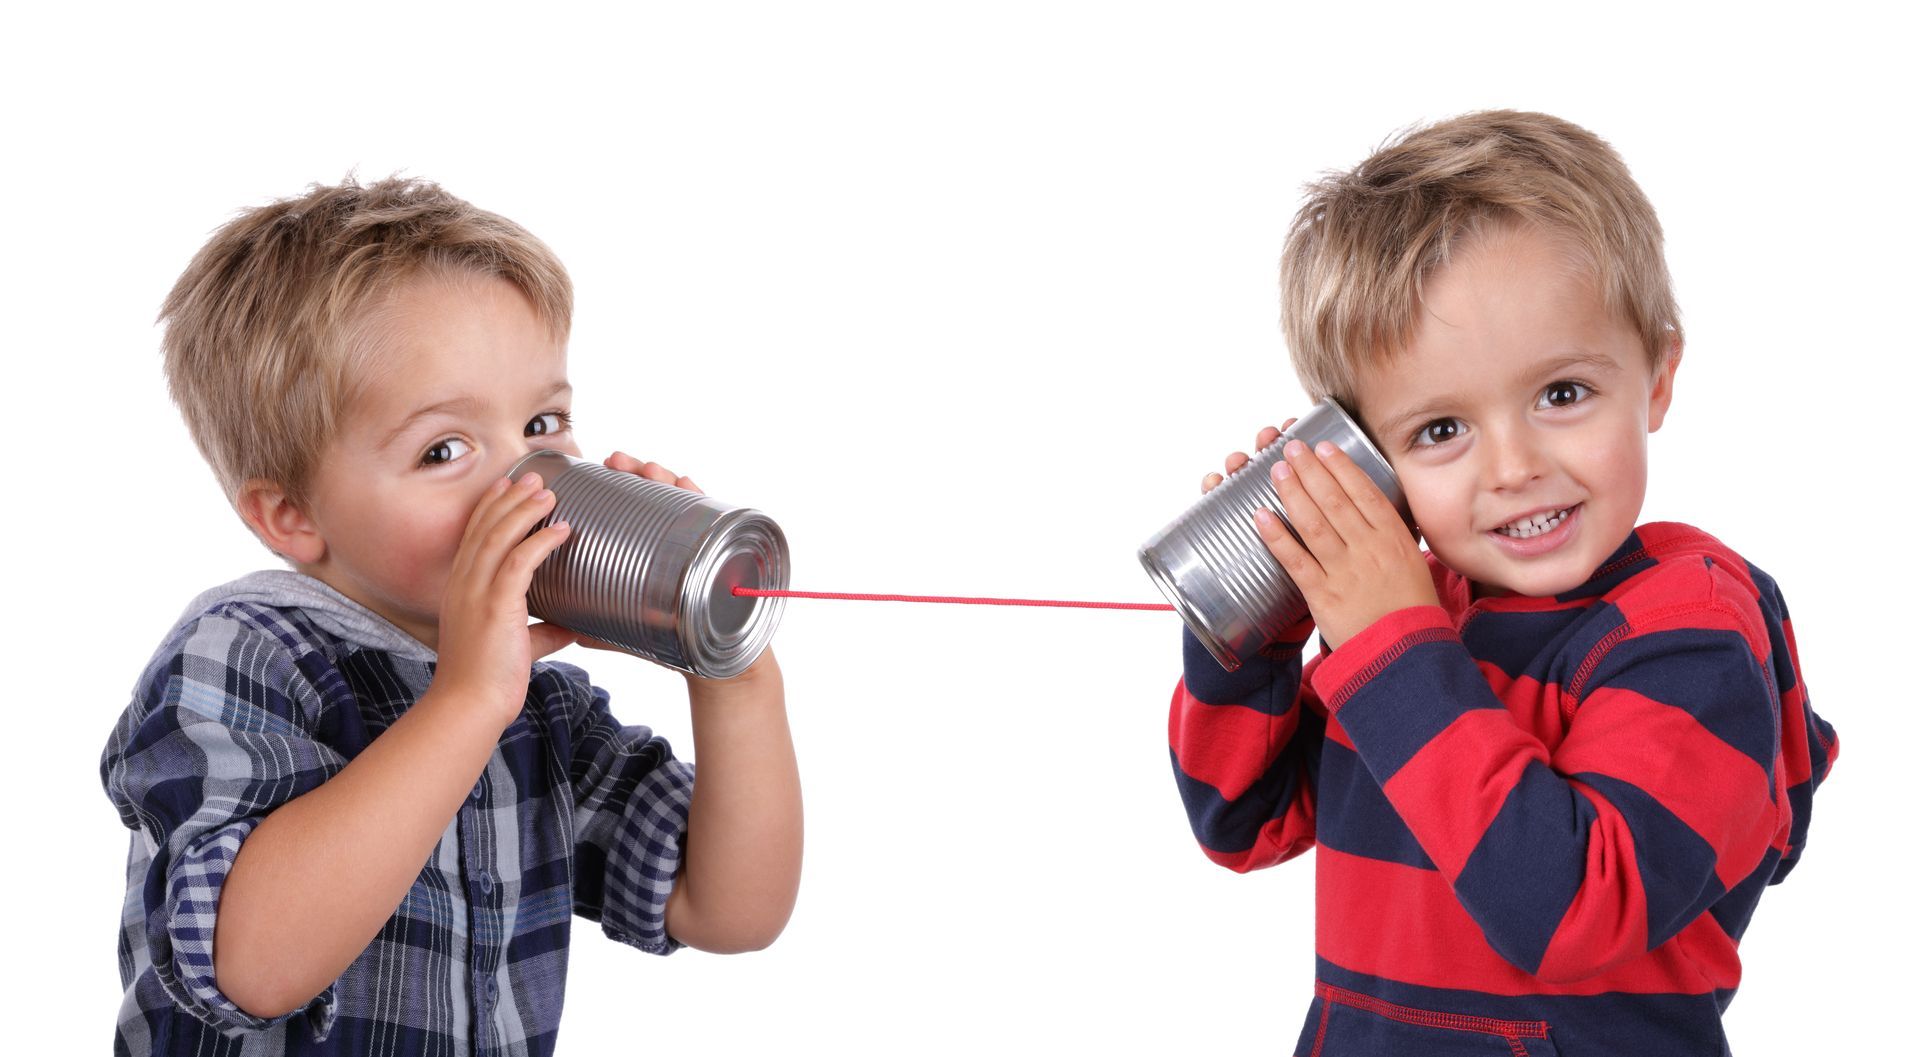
<point>968,298</point>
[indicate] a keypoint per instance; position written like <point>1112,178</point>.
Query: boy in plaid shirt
<point>363,809</point>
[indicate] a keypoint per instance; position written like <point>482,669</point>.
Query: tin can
<point>651,568</point>
<point>1214,567</point>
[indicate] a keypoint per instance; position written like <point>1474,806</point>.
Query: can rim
<point>1360,432</point>
<point>1195,621</point>
<point>737,531</point>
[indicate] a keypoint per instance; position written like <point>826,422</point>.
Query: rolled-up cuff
<point>181,937</point>
<point>642,867</point>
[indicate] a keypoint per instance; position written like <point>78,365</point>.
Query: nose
<point>1514,458</point>
<point>517,452</point>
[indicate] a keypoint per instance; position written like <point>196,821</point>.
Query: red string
<point>753,592</point>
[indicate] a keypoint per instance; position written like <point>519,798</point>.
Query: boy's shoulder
<point>261,651</point>
<point>301,613</point>
<point>282,634</point>
<point>1670,573</point>
<point>268,629</point>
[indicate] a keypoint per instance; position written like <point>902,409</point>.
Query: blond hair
<point>1363,244</point>
<point>265,331</point>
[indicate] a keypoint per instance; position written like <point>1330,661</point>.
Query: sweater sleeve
<point>219,737</point>
<point>1245,748</point>
<point>1662,796</point>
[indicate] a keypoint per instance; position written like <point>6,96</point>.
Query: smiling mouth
<point>1535,525</point>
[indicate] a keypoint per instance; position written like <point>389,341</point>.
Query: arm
<point>1245,749</point>
<point>219,736</point>
<point>318,877</point>
<point>1661,798</point>
<point>740,873</point>
<point>1246,743</point>
<point>315,881</point>
<point>742,870</point>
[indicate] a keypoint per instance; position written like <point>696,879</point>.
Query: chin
<point>1528,583</point>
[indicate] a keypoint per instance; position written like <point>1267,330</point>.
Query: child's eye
<point>549,423</point>
<point>1439,431</point>
<point>444,451</point>
<point>1564,393</point>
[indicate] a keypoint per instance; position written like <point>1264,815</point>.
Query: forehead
<point>1511,304</point>
<point>455,337</point>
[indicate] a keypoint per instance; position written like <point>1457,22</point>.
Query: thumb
<point>546,638</point>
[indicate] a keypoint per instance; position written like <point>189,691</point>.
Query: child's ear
<point>281,525</point>
<point>1662,397</point>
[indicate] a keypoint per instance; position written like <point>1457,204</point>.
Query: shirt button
<point>478,790</point>
<point>486,881</point>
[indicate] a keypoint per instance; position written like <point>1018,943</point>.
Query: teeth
<point>1533,526</point>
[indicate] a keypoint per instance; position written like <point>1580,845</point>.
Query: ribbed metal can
<point>1213,566</point>
<point>651,568</point>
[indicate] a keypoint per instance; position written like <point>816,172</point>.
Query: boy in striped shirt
<point>1551,764</point>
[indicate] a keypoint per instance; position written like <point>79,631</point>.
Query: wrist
<point>455,701</point>
<point>761,678</point>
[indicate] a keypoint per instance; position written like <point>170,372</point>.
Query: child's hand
<point>1261,441</point>
<point>486,647</point>
<point>1359,562</point>
<point>652,471</point>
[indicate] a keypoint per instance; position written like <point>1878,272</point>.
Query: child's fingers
<point>1304,509</point>
<point>1299,562</point>
<point>1265,438</point>
<point>497,498</point>
<point>687,483</point>
<point>513,516</point>
<point>653,471</point>
<point>516,569</point>
<point>1367,497</point>
<point>1329,494</point>
<point>1210,482</point>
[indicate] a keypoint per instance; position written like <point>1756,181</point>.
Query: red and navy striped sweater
<point>1543,823</point>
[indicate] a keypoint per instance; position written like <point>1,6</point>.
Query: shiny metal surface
<point>651,568</point>
<point>1214,568</point>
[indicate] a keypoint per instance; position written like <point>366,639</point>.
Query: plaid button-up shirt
<point>267,688</point>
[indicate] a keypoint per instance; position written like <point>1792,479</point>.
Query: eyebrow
<point>455,405</point>
<point>1592,361</point>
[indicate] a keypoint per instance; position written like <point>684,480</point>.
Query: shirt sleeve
<point>1662,796</point>
<point>631,798</point>
<point>216,741</point>
<point>1245,747</point>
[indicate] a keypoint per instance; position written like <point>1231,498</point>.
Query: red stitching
<point>1585,671</point>
<point>1378,664</point>
<point>1512,1030</point>
<point>1320,1037</point>
<point>1620,563</point>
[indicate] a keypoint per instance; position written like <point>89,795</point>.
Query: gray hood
<point>332,611</point>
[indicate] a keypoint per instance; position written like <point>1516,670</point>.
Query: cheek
<point>422,541</point>
<point>1615,461</point>
<point>1438,506</point>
